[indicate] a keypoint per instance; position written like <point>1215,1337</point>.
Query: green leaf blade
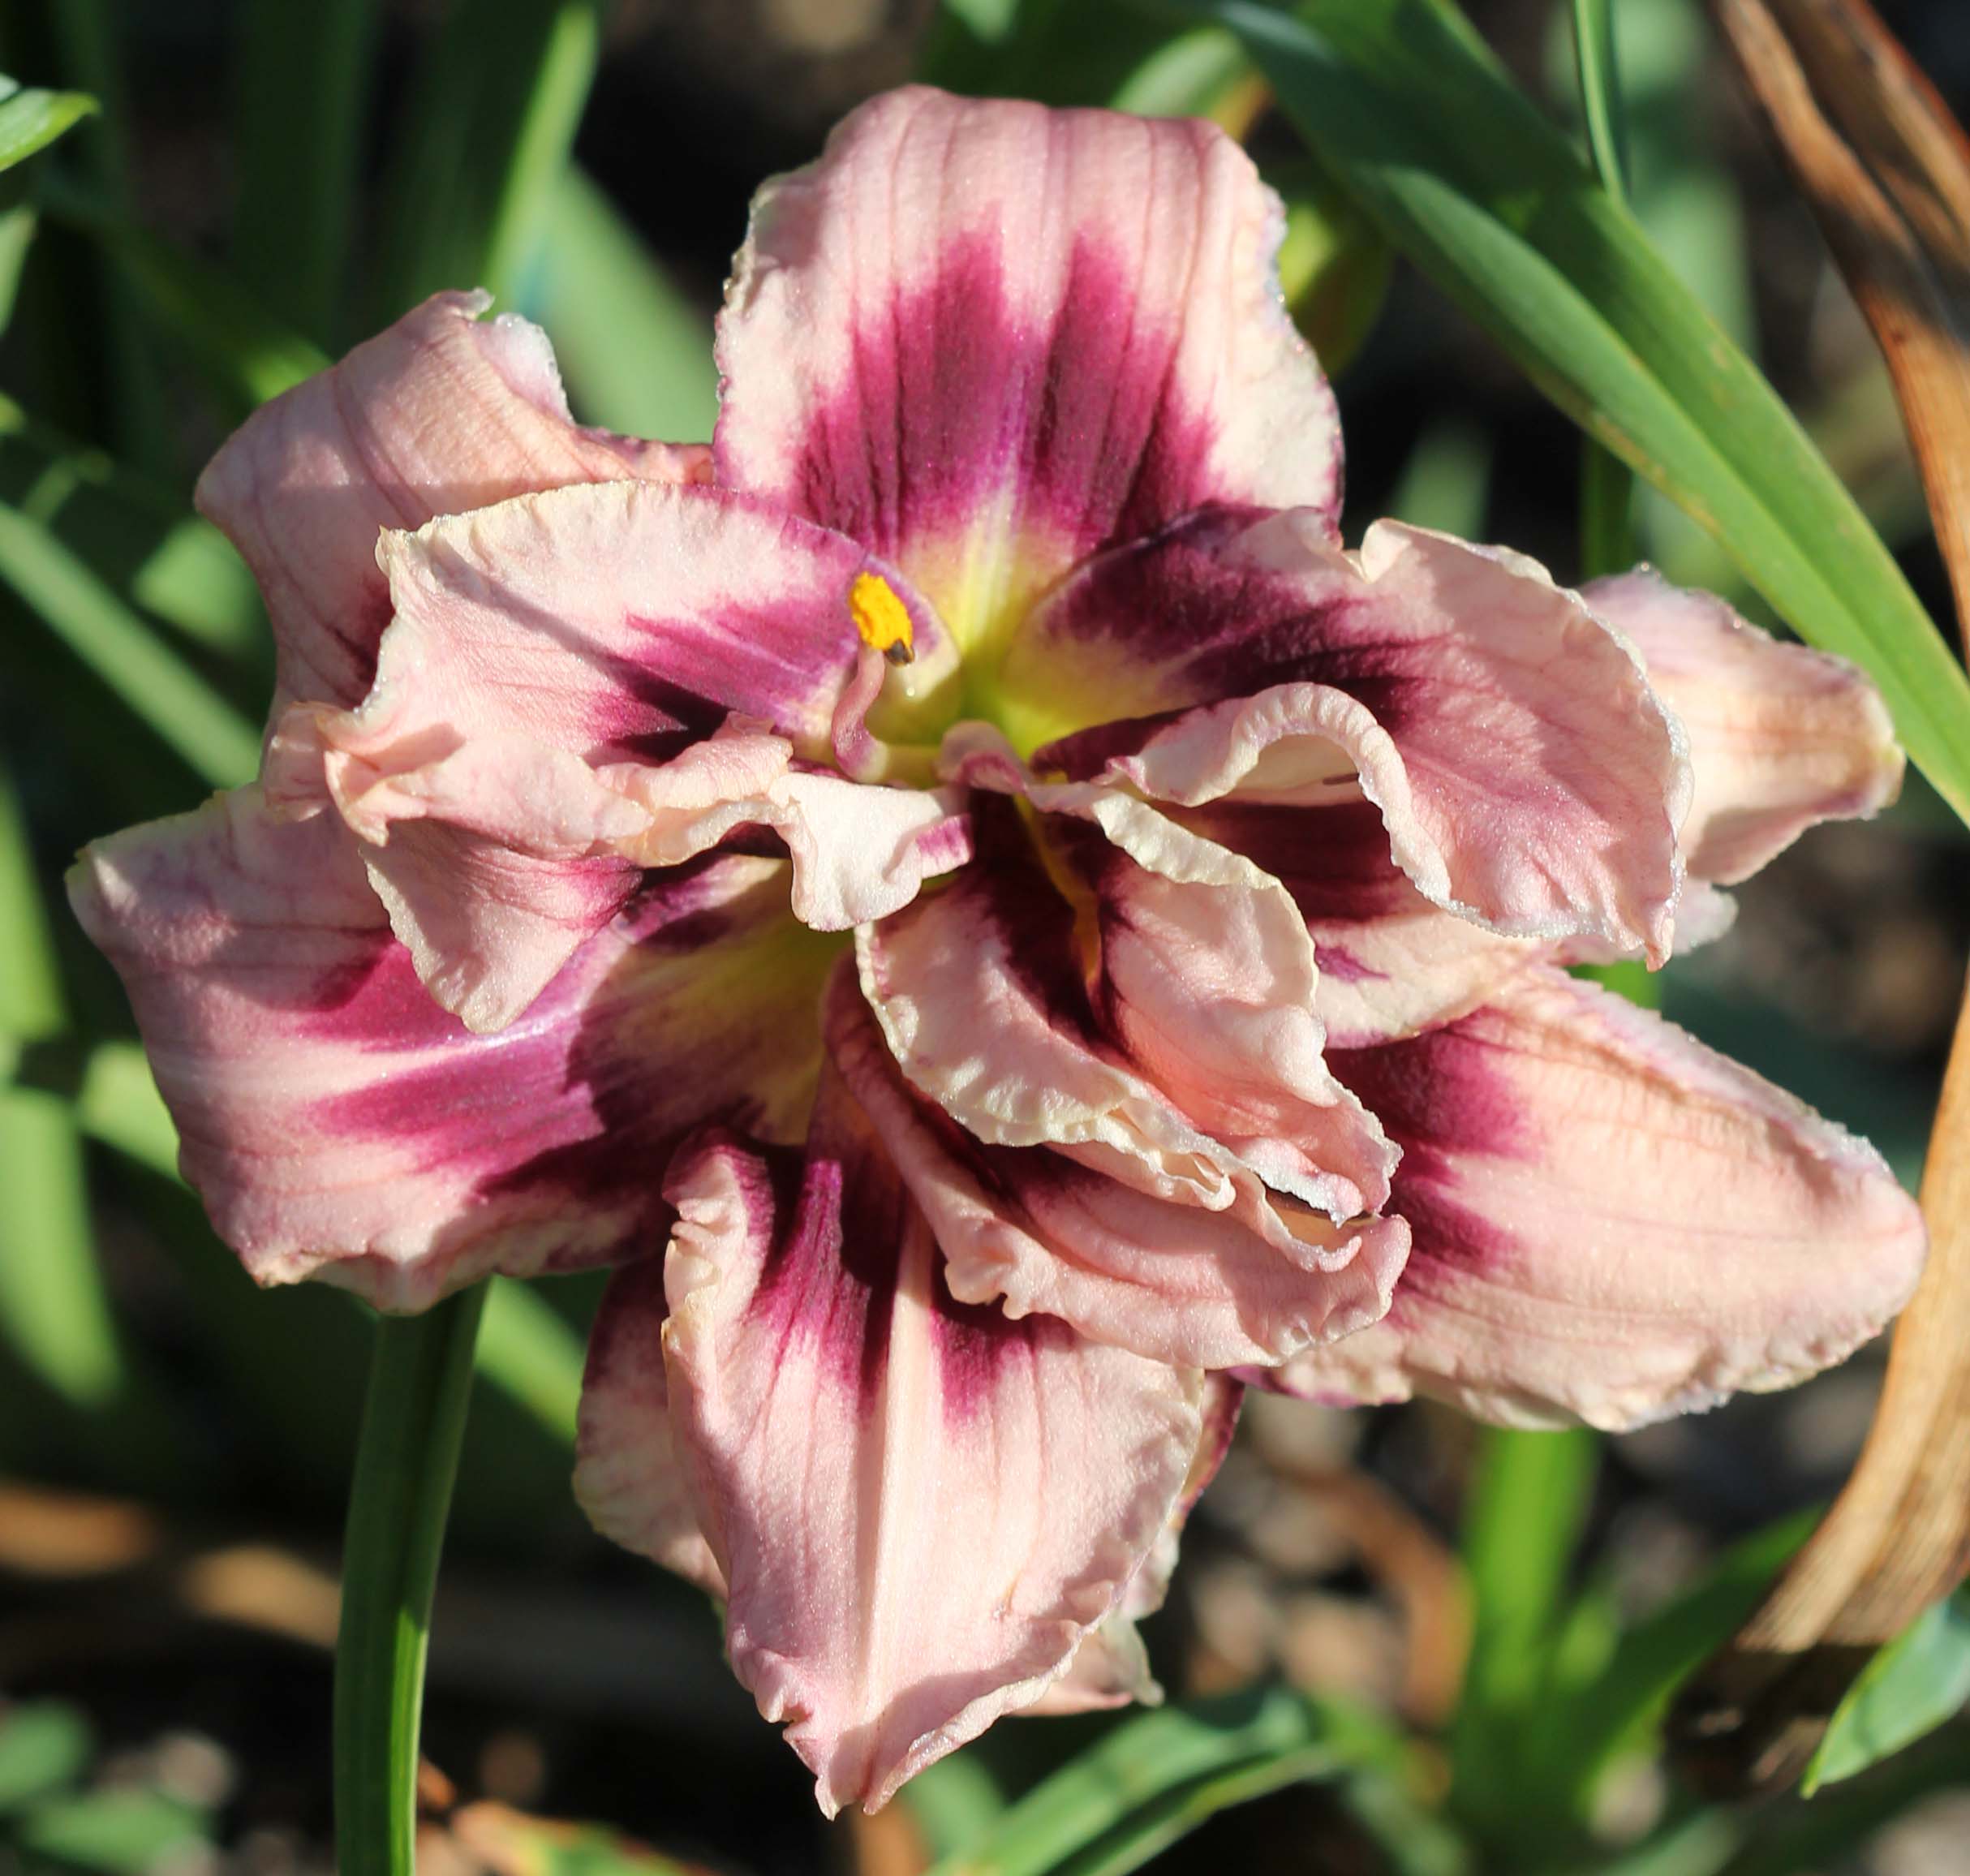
<point>1155,1778</point>
<point>119,649</point>
<point>1915,1684</point>
<point>31,119</point>
<point>303,94</point>
<point>52,1308</point>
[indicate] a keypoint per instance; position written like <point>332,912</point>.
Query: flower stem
<point>420,1378</point>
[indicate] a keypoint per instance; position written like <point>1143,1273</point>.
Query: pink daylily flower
<point>1003,928</point>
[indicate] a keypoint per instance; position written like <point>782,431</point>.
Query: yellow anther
<point>881,617</point>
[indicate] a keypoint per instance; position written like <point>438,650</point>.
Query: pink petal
<point>984,337</point>
<point>1612,1223</point>
<point>921,1507</point>
<point>1780,735</point>
<point>628,1477</point>
<point>337,1122</point>
<point>1199,1054</point>
<point>1111,1667</point>
<point>546,723</point>
<point>1195,1263</point>
<point>1203,979</point>
<point>1207,981</point>
<point>1527,778</point>
<point>445,412</point>
<point>1391,964</point>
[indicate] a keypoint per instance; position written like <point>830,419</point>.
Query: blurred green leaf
<point>1600,92</point>
<point>129,658</point>
<point>1699,1843</point>
<point>529,1352</point>
<point>953,1803</point>
<point>52,1307</point>
<point>1407,107</point>
<point>1446,482</point>
<point>1580,1731</point>
<point>31,120</point>
<point>1057,51</point>
<point>1629,977</point>
<point>301,82</point>
<point>117,1832</point>
<point>1912,1686</point>
<point>246,352</point>
<point>413,1414</point>
<point>136,536</point>
<point>44,1745</point>
<point>17,229</point>
<point>114,343</point>
<point>1528,1507</point>
<point>1152,1780</point>
<point>118,1103</point>
<point>637,355</point>
<point>1186,76</point>
<point>491,122</point>
<point>1606,483</point>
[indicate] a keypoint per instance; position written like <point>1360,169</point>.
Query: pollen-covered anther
<point>881,617</point>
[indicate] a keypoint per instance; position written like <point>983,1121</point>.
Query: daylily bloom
<point>1003,928</point>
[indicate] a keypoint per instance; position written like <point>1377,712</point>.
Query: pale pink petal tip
<point>444,412</point>
<point>1612,1224</point>
<point>1780,735</point>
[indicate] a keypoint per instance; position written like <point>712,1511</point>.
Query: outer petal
<point>1081,1234</point>
<point>985,338</point>
<point>1528,778</point>
<point>1612,1223</point>
<point>921,1507</point>
<point>445,412</point>
<point>627,1475</point>
<point>337,1123</point>
<point>1780,735</point>
<point>542,727</point>
<point>1111,1668</point>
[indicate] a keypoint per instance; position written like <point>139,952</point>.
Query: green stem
<point>1606,483</point>
<point>420,1379</point>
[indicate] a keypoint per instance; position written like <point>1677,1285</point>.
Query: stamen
<point>881,617</point>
